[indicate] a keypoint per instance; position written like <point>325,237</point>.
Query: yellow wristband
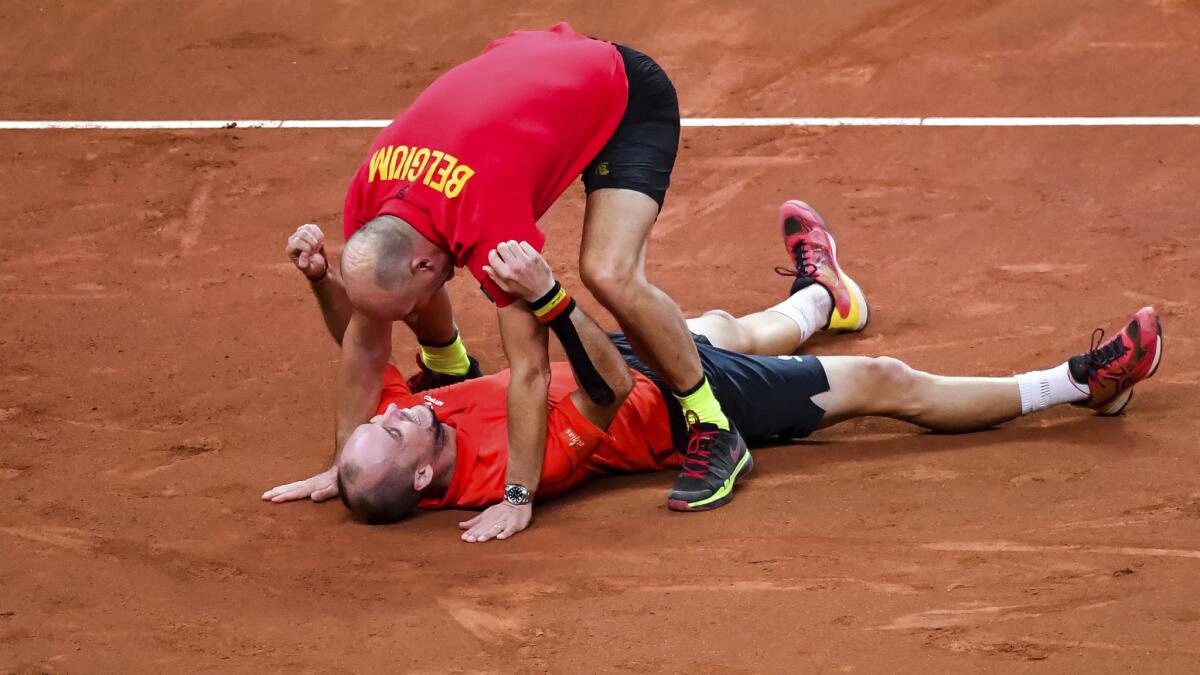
<point>550,306</point>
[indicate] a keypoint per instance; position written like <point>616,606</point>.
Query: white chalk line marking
<point>1015,547</point>
<point>119,125</point>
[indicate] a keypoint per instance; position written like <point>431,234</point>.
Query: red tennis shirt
<point>483,152</point>
<point>639,439</point>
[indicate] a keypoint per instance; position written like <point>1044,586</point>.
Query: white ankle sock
<point>1041,389</point>
<point>809,308</point>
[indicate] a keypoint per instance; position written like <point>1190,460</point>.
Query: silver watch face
<point>516,494</point>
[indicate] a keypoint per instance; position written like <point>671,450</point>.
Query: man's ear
<point>422,477</point>
<point>422,263</point>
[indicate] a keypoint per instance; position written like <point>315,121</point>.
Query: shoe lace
<point>699,449</point>
<point>804,266</point>
<point>1100,354</point>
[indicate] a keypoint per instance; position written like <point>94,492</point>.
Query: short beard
<point>439,434</point>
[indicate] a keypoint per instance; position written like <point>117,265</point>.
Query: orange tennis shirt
<point>639,439</point>
<point>482,153</point>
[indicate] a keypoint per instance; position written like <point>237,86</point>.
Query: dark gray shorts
<point>767,397</point>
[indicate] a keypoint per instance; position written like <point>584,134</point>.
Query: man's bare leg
<point>862,386</point>
<point>1103,378</point>
<point>782,329</point>
<point>611,262</point>
<point>433,322</point>
<point>442,348</point>
<point>883,386</point>
<point>865,386</point>
<point>612,258</point>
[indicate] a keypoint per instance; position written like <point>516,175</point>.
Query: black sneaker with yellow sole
<point>715,459</point>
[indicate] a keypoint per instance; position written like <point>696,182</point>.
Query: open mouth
<point>413,417</point>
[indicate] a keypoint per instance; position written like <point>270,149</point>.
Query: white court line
<point>1179,121</point>
<point>942,122</point>
<point>1015,547</point>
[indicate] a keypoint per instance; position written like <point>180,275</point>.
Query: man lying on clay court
<point>447,448</point>
<point>472,164</point>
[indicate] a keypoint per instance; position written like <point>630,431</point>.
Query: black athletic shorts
<point>767,397</point>
<point>641,152</point>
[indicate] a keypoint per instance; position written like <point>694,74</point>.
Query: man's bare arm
<point>602,374</point>
<point>365,351</point>
<point>597,354</point>
<point>335,304</point>
<point>366,346</point>
<point>306,248</point>
<point>526,347</point>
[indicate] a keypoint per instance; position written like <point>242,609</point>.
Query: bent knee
<point>896,384</point>
<point>611,283</point>
<point>888,371</point>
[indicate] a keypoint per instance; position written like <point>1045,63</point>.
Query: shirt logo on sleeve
<point>439,170</point>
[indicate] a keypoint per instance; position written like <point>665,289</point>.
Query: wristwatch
<point>517,495</point>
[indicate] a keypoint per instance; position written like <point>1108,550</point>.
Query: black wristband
<point>541,302</point>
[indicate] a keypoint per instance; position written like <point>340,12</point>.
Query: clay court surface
<point>161,364</point>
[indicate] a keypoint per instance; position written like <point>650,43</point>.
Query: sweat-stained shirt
<point>482,153</point>
<point>639,438</point>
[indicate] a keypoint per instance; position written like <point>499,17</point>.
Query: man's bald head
<point>374,480</point>
<point>389,269</point>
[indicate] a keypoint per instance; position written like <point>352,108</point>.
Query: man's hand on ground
<point>318,488</point>
<point>499,521</point>
<point>519,270</point>
<point>306,248</point>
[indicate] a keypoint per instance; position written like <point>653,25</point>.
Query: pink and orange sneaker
<point>814,252</point>
<point>1111,368</point>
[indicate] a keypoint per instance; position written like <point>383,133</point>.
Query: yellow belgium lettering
<point>407,162</point>
<point>398,161</point>
<point>458,179</point>
<point>378,164</point>
<point>437,157</point>
<point>418,164</point>
<point>436,168</point>
<point>440,183</point>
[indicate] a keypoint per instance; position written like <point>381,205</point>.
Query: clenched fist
<point>306,248</point>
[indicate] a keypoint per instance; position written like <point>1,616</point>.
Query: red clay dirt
<point>161,365</point>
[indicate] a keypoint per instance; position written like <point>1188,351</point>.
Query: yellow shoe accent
<point>859,312</point>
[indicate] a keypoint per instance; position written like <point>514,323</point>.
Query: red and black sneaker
<point>1111,368</point>
<point>428,379</point>
<point>715,459</point>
